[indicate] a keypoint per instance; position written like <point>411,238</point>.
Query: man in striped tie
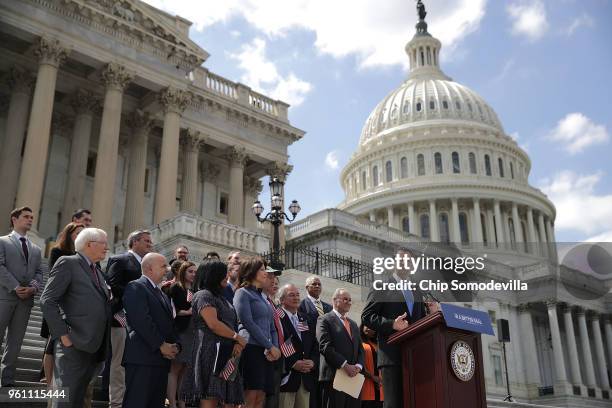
<point>313,307</point>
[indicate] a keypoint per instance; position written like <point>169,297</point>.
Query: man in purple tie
<point>20,280</point>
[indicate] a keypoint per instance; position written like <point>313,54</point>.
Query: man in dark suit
<point>76,305</point>
<point>387,312</point>
<point>301,368</point>
<point>121,270</point>
<point>152,341</point>
<point>341,348</point>
<point>313,307</point>
<point>233,266</point>
<point>20,280</point>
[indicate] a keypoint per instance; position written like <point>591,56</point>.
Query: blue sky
<point>544,67</point>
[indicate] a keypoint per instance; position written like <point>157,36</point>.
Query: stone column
<point>560,376</point>
<point>599,352</point>
<point>280,170</point>
<point>192,142</point>
<point>608,329</point>
<point>174,102</point>
<point>518,227</point>
<point>571,345</point>
<point>491,228</point>
<point>543,241</point>
<point>532,375</point>
<point>498,224</point>
<point>252,188</point>
<point>586,349</point>
<point>550,236</point>
<point>115,78</point>
<point>34,164</point>
<point>140,123</point>
<point>21,82</point>
<point>237,158</point>
<point>211,175</point>
<point>434,231</point>
<point>390,216</point>
<point>478,238</point>
<point>373,216</point>
<point>85,105</point>
<point>533,239</point>
<point>455,221</point>
<point>412,219</point>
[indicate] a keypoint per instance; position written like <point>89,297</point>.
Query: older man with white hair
<point>77,290</point>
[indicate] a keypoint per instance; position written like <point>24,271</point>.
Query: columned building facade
<point>106,105</point>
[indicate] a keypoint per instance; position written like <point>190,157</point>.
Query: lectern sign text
<point>462,360</point>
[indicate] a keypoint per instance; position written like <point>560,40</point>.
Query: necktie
<point>347,326</point>
<point>295,325</point>
<point>95,275</point>
<point>409,300</point>
<point>24,247</point>
<point>277,324</point>
<point>319,307</point>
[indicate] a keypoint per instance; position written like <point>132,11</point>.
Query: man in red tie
<point>341,348</point>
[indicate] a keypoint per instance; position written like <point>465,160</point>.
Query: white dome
<point>423,98</point>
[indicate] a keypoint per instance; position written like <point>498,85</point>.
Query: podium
<point>442,365</point>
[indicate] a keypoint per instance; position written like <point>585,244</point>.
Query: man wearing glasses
<point>77,288</point>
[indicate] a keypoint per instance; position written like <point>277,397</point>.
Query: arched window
<point>500,162</point>
<point>419,106</point>
<point>487,165</point>
<point>422,57</point>
<point>472,159</point>
<point>374,176</point>
<point>388,172</point>
<point>484,229</point>
<point>404,167</point>
<point>456,165</point>
<point>428,56</point>
<point>469,107</point>
<point>424,219</point>
<point>421,165</point>
<point>432,104</point>
<point>511,171</point>
<point>406,107</point>
<point>457,105</point>
<point>363,181</point>
<point>463,228</point>
<point>444,231</point>
<point>405,224</point>
<point>438,162</point>
<point>445,104</point>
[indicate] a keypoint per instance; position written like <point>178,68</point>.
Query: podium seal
<point>462,360</point>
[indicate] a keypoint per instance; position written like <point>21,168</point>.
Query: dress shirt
<point>138,257</point>
<point>342,322</point>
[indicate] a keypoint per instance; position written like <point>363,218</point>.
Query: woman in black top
<point>63,247</point>
<point>181,293</point>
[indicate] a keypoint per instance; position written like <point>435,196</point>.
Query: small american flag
<point>189,295</point>
<point>287,349</point>
<point>302,326</point>
<point>121,318</point>
<point>229,369</point>
<point>279,313</point>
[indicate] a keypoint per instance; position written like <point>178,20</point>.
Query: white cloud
<point>374,31</point>
<point>528,18</point>
<point>262,75</point>
<point>515,136</point>
<point>603,237</point>
<point>579,208</point>
<point>577,132</point>
<point>331,160</point>
<point>583,20</point>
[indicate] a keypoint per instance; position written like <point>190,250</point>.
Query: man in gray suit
<point>20,280</point>
<point>77,289</point>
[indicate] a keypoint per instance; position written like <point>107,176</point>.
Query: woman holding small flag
<point>257,322</point>
<point>212,376</point>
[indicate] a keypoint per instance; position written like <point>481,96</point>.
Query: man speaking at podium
<point>387,312</point>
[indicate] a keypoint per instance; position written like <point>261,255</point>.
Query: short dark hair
<point>212,255</point>
<point>79,213</point>
<point>17,212</point>
<point>249,268</point>
<point>135,236</point>
<point>211,274</point>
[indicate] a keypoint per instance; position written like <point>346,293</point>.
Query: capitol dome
<point>434,161</point>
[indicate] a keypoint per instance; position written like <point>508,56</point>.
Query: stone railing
<point>202,235</point>
<point>238,93</point>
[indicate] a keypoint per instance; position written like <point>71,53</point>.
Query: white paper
<point>350,385</point>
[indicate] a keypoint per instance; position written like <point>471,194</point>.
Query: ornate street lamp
<point>275,217</point>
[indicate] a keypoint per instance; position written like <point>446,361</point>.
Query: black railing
<point>315,261</point>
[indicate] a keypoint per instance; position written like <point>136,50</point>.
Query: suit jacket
<point>150,323</point>
<point>310,311</point>
<point>121,270</point>
<point>306,349</point>
<point>73,291</point>
<point>15,270</point>
<point>336,346</point>
<point>381,309</point>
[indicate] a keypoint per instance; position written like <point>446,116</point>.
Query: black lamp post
<point>275,216</point>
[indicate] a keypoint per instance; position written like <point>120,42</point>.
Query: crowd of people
<point>184,332</point>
